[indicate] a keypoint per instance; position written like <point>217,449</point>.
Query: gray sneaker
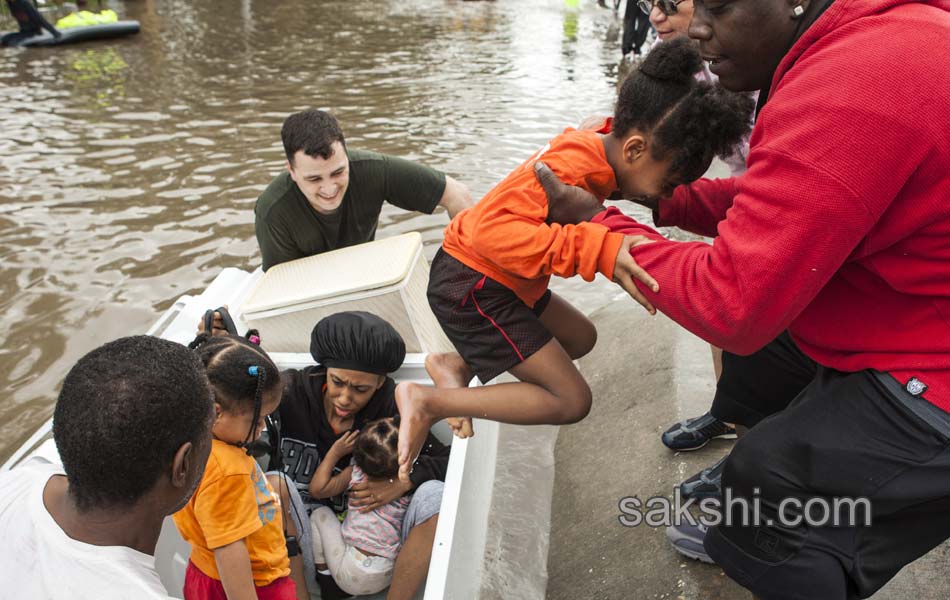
<point>688,539</point>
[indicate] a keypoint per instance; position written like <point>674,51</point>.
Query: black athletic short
<point>492,329</point>
<point>845,435</point>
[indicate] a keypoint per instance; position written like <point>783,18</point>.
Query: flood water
<point>129,168</point>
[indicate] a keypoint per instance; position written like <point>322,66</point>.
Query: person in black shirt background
<point>636,26</point>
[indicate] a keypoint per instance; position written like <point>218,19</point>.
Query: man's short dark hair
<point>124,411</point>
<point>313,131</point>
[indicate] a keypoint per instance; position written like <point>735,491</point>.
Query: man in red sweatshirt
<point>829,285</point>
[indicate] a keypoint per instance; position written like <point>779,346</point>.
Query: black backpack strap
<point>227,320</point>
<point>207,320</point>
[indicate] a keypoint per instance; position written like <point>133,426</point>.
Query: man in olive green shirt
<point>330,197</point>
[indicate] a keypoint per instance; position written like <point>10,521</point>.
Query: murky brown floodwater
<point>129,169</point>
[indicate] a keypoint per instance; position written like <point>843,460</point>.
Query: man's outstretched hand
<point>567,204</point>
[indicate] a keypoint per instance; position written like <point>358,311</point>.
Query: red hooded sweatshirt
<point>840,229</point>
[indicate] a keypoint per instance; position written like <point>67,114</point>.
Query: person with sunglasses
<point>678,12</point>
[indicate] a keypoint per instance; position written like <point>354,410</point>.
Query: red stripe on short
<point>478,286</point>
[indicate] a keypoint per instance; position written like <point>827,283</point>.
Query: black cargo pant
<point>823,438</point>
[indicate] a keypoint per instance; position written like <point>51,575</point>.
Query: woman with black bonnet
<point>348,387</point>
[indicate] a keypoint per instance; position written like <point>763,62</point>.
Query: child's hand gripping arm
<point>324,484</point>
<point>234,567</point>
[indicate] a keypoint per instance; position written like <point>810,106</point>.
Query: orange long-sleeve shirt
<point>505,237</point>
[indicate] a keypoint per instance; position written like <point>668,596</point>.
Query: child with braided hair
<point>234,521</point>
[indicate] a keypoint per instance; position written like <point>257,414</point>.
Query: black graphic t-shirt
<point>306,435</point>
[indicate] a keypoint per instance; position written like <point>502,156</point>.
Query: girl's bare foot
<point>414,424</point>
<point>448,370</point>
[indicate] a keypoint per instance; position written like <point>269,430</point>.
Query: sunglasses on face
<point>667,7</point>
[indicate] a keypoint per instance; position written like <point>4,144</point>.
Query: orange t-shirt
<point>233,502</point>
<point>505,237</point>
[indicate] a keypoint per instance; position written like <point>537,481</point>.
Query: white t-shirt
<point>38,559</point>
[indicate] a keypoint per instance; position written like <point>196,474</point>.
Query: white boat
<point>492,535</point>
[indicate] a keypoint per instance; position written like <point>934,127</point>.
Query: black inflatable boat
<point>76,34</point>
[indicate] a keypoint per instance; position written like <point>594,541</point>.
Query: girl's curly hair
<point>690,121</point>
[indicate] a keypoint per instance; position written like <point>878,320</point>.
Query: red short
<point>199,586</point>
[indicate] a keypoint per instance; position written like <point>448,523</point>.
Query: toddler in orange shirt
<point>234,520</point>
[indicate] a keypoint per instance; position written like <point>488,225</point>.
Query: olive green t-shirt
<point>289,228</point>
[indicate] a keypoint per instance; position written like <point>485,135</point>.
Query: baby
<point>360,553</point>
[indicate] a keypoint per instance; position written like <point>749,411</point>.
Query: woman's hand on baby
<point>343,446</point>
<point>567,204</point>
<point>370,495</point>
<point>626,270</point>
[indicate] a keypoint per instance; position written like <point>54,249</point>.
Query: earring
<point>798,11</point>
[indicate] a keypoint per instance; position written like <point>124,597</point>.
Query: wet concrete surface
<point>647,373</point>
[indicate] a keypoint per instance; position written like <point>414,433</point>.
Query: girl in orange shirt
<point>234,521</point>
<point>488,284</point>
